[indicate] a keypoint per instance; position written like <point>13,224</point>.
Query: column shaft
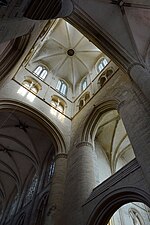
<point>56,198</point>
<point>141,77</point>
<point>80,182</point>
<point>135,114</point>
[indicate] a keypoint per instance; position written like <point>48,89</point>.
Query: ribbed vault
<point>67,53</point>
<point>114,140</point>
<point>24,148</point>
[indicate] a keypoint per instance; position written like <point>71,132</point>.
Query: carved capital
<point>61,155</point>
<point>133,65</point>
<point>84,143</point>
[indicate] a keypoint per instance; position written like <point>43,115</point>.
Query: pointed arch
<point>92,122</point>
<point>104,210</point>
<point>52,131</point>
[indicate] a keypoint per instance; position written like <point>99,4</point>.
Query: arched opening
<point>84,99</point>
<point>62,87</point>
<point>41,72</point>
<point>102,80</point>
<point>83,84</point>
<point>113,149</point>
<point>116,208</point>
<point>133,213</point>
<point>27,151</point>
<point>58,103</point>
<point>102,64</point>
<point>41,210</point>
<point>32,85</point>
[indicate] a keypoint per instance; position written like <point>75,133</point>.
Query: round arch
<point>50,128</point>
<point>104,210</point>
<point>92,122</point>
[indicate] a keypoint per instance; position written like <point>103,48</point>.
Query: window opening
<point>84,84</point>
<point>61,87</point>
<point>84,99</point>
<point>102,64</point>
<point>31,190</point>
<point>58,103</point>
<point>40,72</point>
<point>32,85</point>
<point>135,216</point>
<point>43,75</point>
<point>51,169</point>
<point>14,205</point>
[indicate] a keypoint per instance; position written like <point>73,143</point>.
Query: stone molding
<point>133,65</point>
<point>84,143</point>
<point>61,155</point>
<point>95,115</point>
<point>117,190</point>
<point>59,144</point>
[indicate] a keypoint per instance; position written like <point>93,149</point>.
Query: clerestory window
<point>62,87</point>
<point>102,64</point>
<point>84,84</point>
<point>41,72</point>
<point>136,217</point>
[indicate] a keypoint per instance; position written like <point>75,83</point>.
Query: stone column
<point>56,197</point>
<point>141,76</point>
<point>80,182</point>
<point>135,113</point>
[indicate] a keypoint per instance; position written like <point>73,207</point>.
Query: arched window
<point>84,84</point>
<point>84,99</point>
<point>102,80</point>
<point>102,64</point>
<point>62,87</point>
<point>51,169</point>
<point>58,103</point>
<point>31,190</point>
<point>136,217</point>
<point>105,76</point>
<point>40,72</point>
<point>32,85</point>
<point>41,210</point>
<point>109,72</point>
<point>14,205</point>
